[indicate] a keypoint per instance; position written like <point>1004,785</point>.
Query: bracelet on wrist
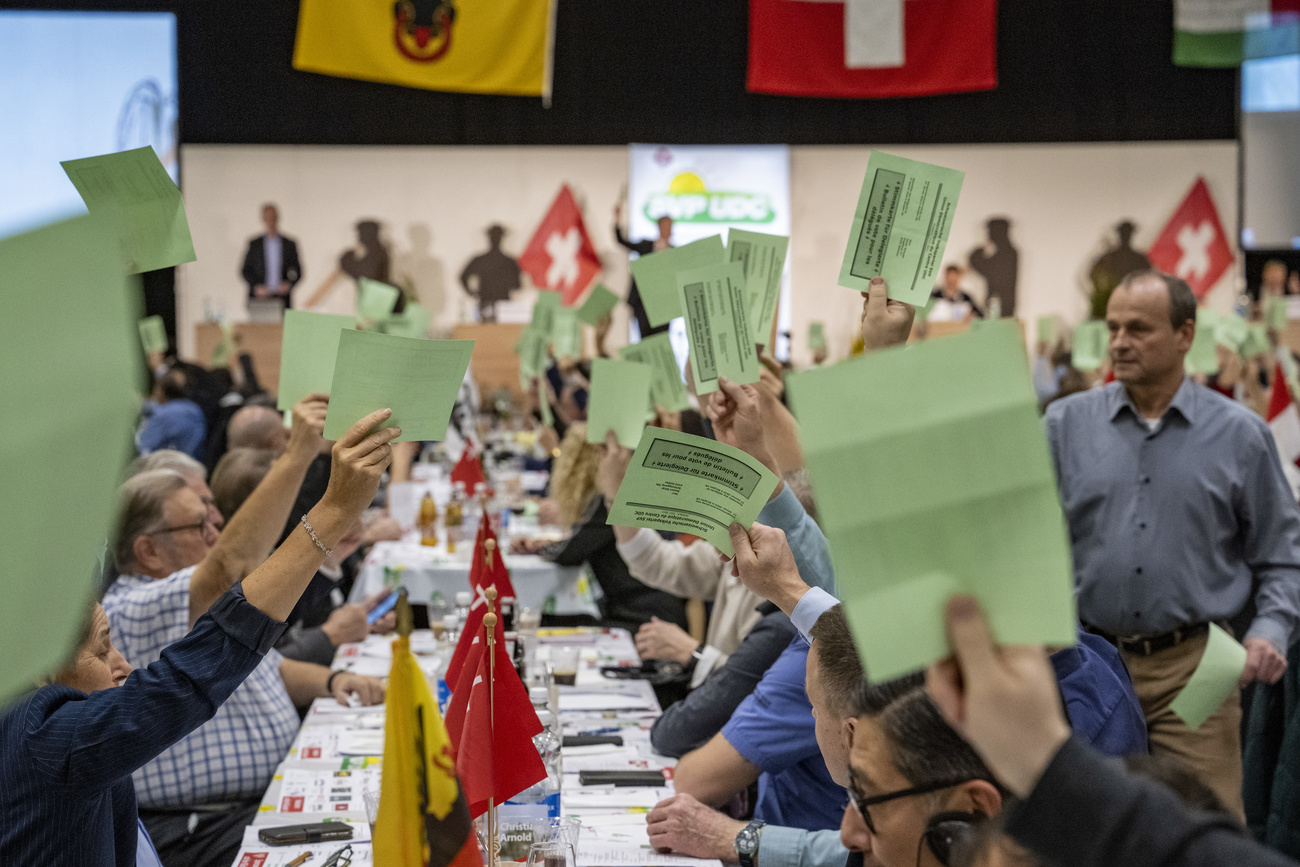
<point>310,532</point>
<point>329,682</point>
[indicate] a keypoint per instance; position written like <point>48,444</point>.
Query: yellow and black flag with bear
<point>469,46</point>
<point>423,817</point>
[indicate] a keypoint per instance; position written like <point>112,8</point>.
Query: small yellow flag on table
<point>469,46</point>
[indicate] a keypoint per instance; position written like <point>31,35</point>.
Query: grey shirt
<point>1169,526</point>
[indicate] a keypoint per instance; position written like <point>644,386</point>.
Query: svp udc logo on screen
<point>688,201</point>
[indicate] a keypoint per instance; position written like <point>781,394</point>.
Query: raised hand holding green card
<point>153,334</point>
<point>543,321</point>
<point>1275,314</point>
<point>619,395</point>
<point>1047,329</point>
<point>375,300</point>
<point>1091,340</point>
<point>417,379</point>
<point>816,335</point>
<point>1231,331</point>
<point>1203,357</point>
<point>308,348</point>
<point>656,275</point>
<point>1213,681</point>
<point>717,325</point>
<point>566,333</point>
<point>690,484</point>
<point>930,468</point>
<point>1256,342</point>
<point>900,227</point>
<point>764,258</point>
<point>600,302</point>
<point>132,193</point>
<point>667,390</point>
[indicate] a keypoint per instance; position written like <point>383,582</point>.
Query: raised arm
<point>253,531</point>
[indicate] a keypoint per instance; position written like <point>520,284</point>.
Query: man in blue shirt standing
<point>1177,509</point>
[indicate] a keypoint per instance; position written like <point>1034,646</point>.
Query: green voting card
<point>816,335</point>
<point>543,321</point>
<point>308,347</point>
<point>600,302</point>
<point>717,325</point>
<point>900,227</point>
<point>1203,357</point>
<point>375,300</point>
<point>413,321</point>
<point>566,333</point>
<point>544,404</point>
<point>417,379</point>
<point>1047,329</point>
<point>1091,342</point>
<point>1275,314</point>
<point>69,349</point>
<point>667,389</point>
<point>764,259</point>
<point>225,346</point>
<point>1256,342</point>
<point>532,353</point>
<point>691,484</point>
<point>656,275</point>
<point>1213,681</point>
<point>1231,331</point>
<point>153,334</point>
<point>620,393</point>
<point>930,469</point>
<point>132,192</point>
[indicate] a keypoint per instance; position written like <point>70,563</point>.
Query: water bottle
<point>463,601</point>
<point>541,800</point>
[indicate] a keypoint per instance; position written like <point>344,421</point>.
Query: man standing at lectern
<point>271,266</point>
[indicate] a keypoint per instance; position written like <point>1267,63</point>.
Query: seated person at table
<point>196,476</point>
<point>171,419</point>
<point>627,602</point>
<point>257,427</point>
<point>70,747</point>
<point>317,625</point>
<point>197,796</point>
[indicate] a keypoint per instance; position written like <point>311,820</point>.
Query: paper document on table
<point>153,334</point>
<point>900,227</point>
<point>930,468</point>
<point>667,390</point>
<point>616,797</point>
<point>375,300</point>
<point>620,760</point>
<point>656,275</point>
<point>303,790</point>
<point>417,379</point>
<point>620,393</point>
<point>308,347</point>
<point>764,259</point>
<point>570,701</point>
<point>691,484</point>
<point>600,302</point>
<point>132,194</point>
<point>593,853</point>
<point>1213,680</point>
<point>717,325</point>
<point>1091,340</point>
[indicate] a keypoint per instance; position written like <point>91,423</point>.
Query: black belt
<point>1146,645</point>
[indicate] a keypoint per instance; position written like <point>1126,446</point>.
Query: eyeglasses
<point>201,526</point>
<point>341,858</point>
<point>862,803</point>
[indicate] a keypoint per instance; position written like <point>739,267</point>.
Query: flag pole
<point>405,618</point>
<point>489,626</point>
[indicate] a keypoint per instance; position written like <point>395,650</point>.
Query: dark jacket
<point>1272,760</point>
<point>254,270</point>
<point>627,602</point>
<point>1100,703</point>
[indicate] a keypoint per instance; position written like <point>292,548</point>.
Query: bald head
<point>257,427</point>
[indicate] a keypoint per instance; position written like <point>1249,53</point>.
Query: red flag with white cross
<point>561,257</point>
<point>1193,244</point>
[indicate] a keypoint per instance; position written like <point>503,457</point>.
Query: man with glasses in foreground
<point>197,796</point>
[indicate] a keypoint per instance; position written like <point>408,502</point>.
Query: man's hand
<point>385,623</point>
<point>346,624</point>
<point>305,440</point>
<point>765,564</point>
<point>613,466</point>
<point>736,412</point>
<point>1264,662</point>
<point>682,824</point>
<point>369,689</point>
<point>659,639</point>
<point>359,459</point>
<point>667,420</point>
<point>886,321</point>
<point>1003,700</point>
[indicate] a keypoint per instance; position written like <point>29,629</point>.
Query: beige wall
<point>1061,199</point>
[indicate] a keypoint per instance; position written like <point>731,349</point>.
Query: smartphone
<point>382,608</point>
<point>290,835</point>
<point>591,740</point>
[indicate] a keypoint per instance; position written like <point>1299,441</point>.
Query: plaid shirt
<point>232,756</point>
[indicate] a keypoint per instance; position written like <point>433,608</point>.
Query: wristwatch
<point>747,842</point>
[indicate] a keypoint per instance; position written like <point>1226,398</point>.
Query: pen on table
<point>607,731</point>
<point>300,860</point>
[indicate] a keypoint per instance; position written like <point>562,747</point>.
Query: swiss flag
<point>872,48</point>
<point>1193,244</point>
<point>488,568</point>
<point>561,257</point>
<point>468,470</point>
<point>1284,421</point>
<point>470,643</point>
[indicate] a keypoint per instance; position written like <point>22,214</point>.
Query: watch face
<point>747,840</point>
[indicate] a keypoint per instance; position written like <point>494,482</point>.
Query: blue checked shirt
<point>232,756</point>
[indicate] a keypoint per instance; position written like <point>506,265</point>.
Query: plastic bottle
<point>463,601</point>
<point>438,609</point>
<point>428,521</point>
<point>454,516</point>
<point>541,800</point>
